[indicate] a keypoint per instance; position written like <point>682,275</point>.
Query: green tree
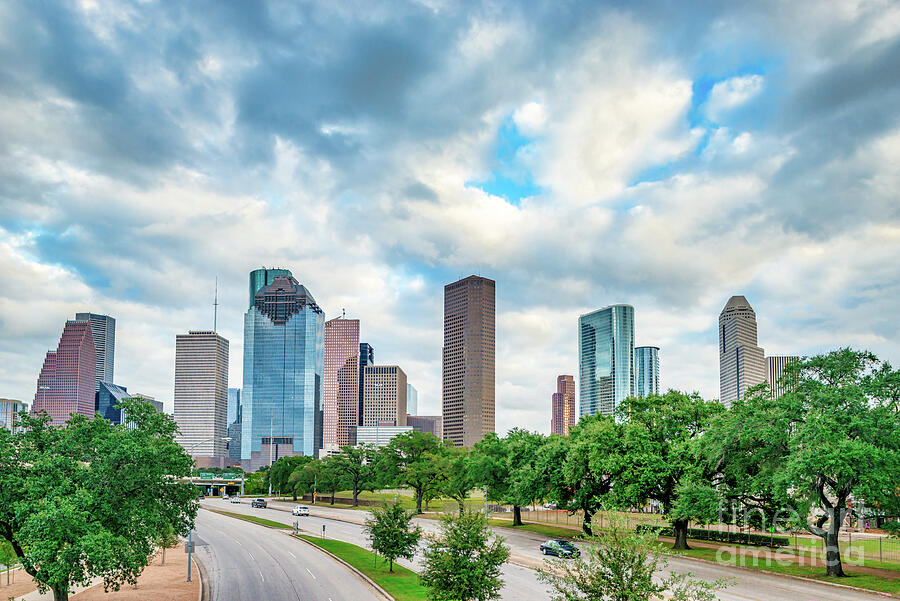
<point>579,470</point>
<point>390,533</point>
<point>660,456</point>
<point>280,473</point>
<point>8,556</point>
<point>353,463</point>
<point>619,565</point>
<point>457,480</point>
<point>464,562</point>
<point>91,499</point>
<point>834,435</point>
<point>414,456</point>
<point>507,469</point>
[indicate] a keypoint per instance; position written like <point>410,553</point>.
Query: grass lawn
<point>252,518</point>
<point>402,584</point>
<point>547,529</point>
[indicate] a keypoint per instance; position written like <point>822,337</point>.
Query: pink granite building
<point>341,382</point>
<point>68,378</point>
<point>563,416</point>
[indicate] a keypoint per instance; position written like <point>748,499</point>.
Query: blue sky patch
<point>509,178</point>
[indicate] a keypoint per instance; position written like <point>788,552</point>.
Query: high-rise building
<point>234,405</point>
<point>366,357</point>
<point>260,278</point>
<point>605,359</point>
<point>467,403</point>
<point>68,378</point>
<point>106,400</point>
<point>384,396</point>
<point>9,414</point>
<point>341,385</point>
<point>742,364</point>
<point>646,369</point>
<point>234,425</point>
<point>412,400</point>
<point>103,328</point>
<point>563,406</point>
<point>774,370</point>
<point>426,423</point>
<point>201,395</point>
<point>284,344</point>
<point>376,436</point>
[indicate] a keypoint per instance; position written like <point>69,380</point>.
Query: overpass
<point>215,485</point>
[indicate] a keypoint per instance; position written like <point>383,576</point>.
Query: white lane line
<point>261,576</point>
<point>311,574</point>
<point>251,555</point>
<point>238,542</point>
<point>292,555</point>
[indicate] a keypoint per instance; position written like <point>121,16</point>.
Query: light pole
<point>226,439</point>
<point>44,390</point>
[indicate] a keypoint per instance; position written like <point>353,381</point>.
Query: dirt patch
<point>157,583</point>
<point>20,584</point>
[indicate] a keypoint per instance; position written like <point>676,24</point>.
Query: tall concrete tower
<point>742,364</point>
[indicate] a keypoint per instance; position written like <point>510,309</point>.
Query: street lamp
<point>226,439</point>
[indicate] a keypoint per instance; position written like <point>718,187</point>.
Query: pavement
<point>248,561</point>
<point>521,579</point>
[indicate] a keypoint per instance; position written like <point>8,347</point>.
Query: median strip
<point>252,518</point>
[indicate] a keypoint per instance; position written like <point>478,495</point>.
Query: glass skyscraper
<point>605,359</point>
<point>281,398</point>
<point>260,278</point>
<point>646,369</point>
<point>103,328</point>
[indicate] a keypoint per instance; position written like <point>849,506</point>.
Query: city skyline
<point>689,155</point>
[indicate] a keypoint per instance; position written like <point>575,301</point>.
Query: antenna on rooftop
<point>343,313</point>
<point>216,305</point>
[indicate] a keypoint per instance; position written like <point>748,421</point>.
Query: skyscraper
<point>605,359</point>
<point>234,405</point>
<point>9,414</point>
<point>563,406</point>
<point>234,425</point>
<point>201,395</point>
<point>468,360</point>
<point>412,400</point>
<point>106,400</point>
<point>741,363</point>
<point>366,357</point>
<point>103,327</point>
<point>284,343</point>
<point>68,378</point>
<point>341,385</point>
<point>774,370</point>
<point>646,369</point>
<point>426,423</point>
<point>260,278</point>
<point>384,400</point>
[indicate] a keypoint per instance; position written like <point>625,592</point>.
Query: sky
<point>662,154</point>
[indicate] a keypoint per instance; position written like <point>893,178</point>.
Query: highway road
<point>521,582</point>
<point>247,561</point>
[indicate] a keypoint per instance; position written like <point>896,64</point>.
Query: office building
<point>234,405</point>
<point>9,414</point>
<point>376,436</point>
<point>103,328</point>
<point>384,396</point>
<point>467,403</point>
<point>341,384</point>
<point>412,400</point>
<point>426,423</point>
<point>234,425</point>
<point>605,359</point>
<point>775,370</point>
<point>260,278</point>
<point>366,357</point>
<point>201,395</point>
<point>107,399</point>
<point>646,369</point>
<point>742,364</point>
<point>284,343</point>
<point>68,378</point>
<point>563,406</point>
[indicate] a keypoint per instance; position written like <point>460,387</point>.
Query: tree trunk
<point>163,562</point>
<point>294,492</point>
<point>517,515</point>
<point>332,497</point>
<point>390,565</point>
<point>355,494</point>
<point>418,500</point>
<point>61,594</point>
<point>586,524</point>
<point>833,565</point>
<point>680,527</point>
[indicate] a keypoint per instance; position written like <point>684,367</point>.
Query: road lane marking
<point>292,555</point>
<point>311,574</point>
<point>251,555</point>
<point>238,542</point>
<point>261,576</point>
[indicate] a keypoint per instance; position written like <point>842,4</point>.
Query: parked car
<point>560,548</point>
<point>300,510</point>
<point>235,499</point>
<point>261,503</point>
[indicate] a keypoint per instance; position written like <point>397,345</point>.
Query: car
<point>224,497</point>
<point>261,503</point>
<point>300,510</point>
<point>560,548</point>
<point>235,499</point>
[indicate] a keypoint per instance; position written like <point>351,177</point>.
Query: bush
<point>759,540</point>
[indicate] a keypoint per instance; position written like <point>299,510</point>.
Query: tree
<point>353,465</point>
<point>390,533</point>
<point>507,468</point>
<point>414,454</point>
<point>8,556</point>
<point>579,470</point>
<point>457,480</point>
<point>619,565</point>
<point>91,499</point>
<point>280,472</point>
<point>834,435</point>
<point>464,562</point>
<point>661,456</point>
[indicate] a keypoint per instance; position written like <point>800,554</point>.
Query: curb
<point>362,576</point>
<point>203,595</point>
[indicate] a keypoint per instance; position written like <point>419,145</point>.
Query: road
<point>246,561</point>
<point>521,582</point>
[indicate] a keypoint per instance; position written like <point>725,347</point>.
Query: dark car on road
<point>560,548</point>
<point>258,503</point>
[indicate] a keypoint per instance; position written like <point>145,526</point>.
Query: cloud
<point>732,93</point>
